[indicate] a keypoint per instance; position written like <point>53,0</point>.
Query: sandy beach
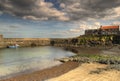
<point>82,73</point>
<point>69,72</point>
<point>46,73</point>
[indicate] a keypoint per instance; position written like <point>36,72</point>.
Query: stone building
<point>104,30</point>
<point>92,32</point>
<point>109,30</point>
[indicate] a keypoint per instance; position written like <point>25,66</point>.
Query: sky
<point>55,18</point>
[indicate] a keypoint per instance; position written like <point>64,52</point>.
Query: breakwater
<point>23,42</point>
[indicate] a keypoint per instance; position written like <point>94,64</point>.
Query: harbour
<point>26,60</point>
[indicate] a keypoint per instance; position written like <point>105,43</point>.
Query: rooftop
<point>109,27</point>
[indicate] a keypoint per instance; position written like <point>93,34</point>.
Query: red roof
<point>109,27</point>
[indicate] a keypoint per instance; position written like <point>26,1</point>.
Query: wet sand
<point>104,50</point>
<point>46,73</point>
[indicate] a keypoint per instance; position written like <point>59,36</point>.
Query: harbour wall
<point>89,41</point>
<point>23,42</point>
<point>1,42</point>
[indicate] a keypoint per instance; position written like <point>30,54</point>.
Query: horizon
<point>55,18</point>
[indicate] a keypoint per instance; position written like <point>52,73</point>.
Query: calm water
<point>26,60</point>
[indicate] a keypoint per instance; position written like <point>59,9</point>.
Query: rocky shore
<point>101,64</point>
<point>107,55</point>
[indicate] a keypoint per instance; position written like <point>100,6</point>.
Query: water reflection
<point>18,60</point>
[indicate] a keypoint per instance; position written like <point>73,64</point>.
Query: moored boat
<point>13,46</point>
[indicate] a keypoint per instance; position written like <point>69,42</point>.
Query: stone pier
<point>23,42</point>
<point>2,41</point>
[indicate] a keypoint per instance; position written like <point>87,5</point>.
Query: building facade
<point>104,30</point>
<point>92,32</point>
<point>109,30</point>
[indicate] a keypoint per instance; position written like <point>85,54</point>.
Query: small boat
<point>13,46</point>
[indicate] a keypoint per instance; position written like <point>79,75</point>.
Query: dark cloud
<point>16,7</point>
<point>31,9</point>
<point>71,9</point>
<point>84,9</point>
<point>99,5</point>
<point>23,3</point>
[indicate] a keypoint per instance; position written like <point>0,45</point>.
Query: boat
<point>13,46</point>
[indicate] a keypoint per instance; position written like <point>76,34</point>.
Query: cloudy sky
<point>55,18</point>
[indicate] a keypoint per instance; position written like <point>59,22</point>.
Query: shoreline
<point>45,74</point>
<point>58,70</point>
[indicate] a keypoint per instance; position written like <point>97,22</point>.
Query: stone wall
<point>24,42</point>
<point>1,41</point>
<point>1,37</point>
